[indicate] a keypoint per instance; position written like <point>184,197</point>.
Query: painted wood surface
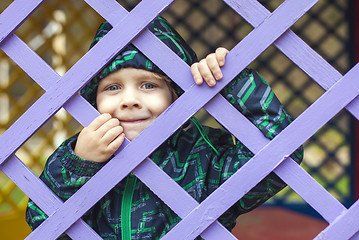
<point>270,28</point>
<point>188,104</point>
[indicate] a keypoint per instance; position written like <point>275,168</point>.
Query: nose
<point>130,100</point>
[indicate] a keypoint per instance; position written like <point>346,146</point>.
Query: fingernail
<point>219,76</point>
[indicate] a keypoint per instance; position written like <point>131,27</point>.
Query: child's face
<point>136,97</point>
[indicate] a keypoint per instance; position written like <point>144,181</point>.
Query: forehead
<point>130,73</point>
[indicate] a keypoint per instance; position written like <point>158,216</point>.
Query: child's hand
<point>209,68</point>
<point>100,140</point>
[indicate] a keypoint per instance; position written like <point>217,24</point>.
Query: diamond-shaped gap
<point>129,4</point>
<point>331,16</point>
<point>342,61</point>
<point>18,91</point>
<point>327,154</point>
<point>18,198</point>
<point>271,5</point>
<point>81,22</point>
<point>4,4</point>
<point>282,74</point>
<point>43,143</point>
<point>6,186</point>
<point>331,46</point>
<point>295,79</point>
<point>315,154</point>
<point>12,199</point>
<point>287,194</point>
<point>281,220</point>
<point>206,25</point>
<point>326,30</point>
<point>60,32</point>
<point>34,154</point>
<point>207,120</point>
<point>343,186</point>
<point>331,170</point>
<point>314,31</point>
<point>331,138</point>
<point>343,155</point>
<point>5,208</point>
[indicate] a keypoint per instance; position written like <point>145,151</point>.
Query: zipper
<point>126,207</point>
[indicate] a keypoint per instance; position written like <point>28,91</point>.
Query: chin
<point>131,136</point>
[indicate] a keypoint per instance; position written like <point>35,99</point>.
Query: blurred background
<point>60,32</point>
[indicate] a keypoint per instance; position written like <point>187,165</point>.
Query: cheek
<point>162,103</point>
<point>104,105</point>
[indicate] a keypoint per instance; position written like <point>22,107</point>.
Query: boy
<point>130,92</point>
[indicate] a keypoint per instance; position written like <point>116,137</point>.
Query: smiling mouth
<point>133,121</point>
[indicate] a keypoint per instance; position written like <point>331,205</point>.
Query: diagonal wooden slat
<point>76,78</point>
<point>270,156</point>
<point>78,108</point>
<point>15,14</point>
<point>307,59</point>
<point>294,175</point>
<point>45,76</point>
<point>23,177</point>
<point>325,75</point>
<point>346,226</point>
<point>195,97</point>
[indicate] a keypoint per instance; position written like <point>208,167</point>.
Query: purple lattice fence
<point>197,219</point>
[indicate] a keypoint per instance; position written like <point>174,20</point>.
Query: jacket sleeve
<point>64,173</point>
<point>254,98</point>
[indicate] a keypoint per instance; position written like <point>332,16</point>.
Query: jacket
<point>186,157</point>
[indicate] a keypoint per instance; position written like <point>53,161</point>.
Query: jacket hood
<point>130,56</point>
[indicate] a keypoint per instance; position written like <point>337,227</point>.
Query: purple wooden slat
<point>345,227</point>
<point>76,77</point>
<point>110,10</point>
<point>31,185</point>
<point>15,14</point>
<point>290,39</point>
<point>253,139</point>
<point>307,59</point>
<point>165,188</point>
<point>299,180</point>
<point>45,76</point>
<point>355,236</point>
<point>146,170</point>
<point>24,56</point>
<point>316,189</point>
<point>77,107</point>
<point>196,96</point>
<point>270,156</point>
<point>29,61</point>
<point>16,49</point>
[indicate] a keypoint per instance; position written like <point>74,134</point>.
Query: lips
<point>129,121</point>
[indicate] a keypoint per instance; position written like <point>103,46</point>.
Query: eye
<point>112,88</point>
<point>148,86</point>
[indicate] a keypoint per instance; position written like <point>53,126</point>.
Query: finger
<point>116,143</point>
<point>214,67</point>
<point>99,121</point>
<point>206,73</point>
<point>111,123</point>
<point>196,74</point>
<point>112,134</point>
<point>221,54</point>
